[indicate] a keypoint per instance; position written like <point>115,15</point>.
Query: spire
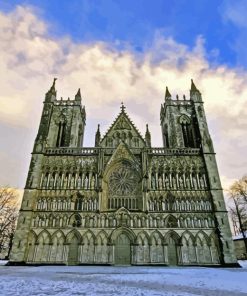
<point>78,95</point>
<point>195,94</point>
<point>97,137</point>
<point>167,94</point>
<point>193,87</point>
<point>51,94</point>
<point>148,137</point>
<point>53,85</point>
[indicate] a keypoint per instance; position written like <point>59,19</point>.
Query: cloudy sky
<point>127,51</point>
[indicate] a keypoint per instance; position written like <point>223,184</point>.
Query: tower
<point>123,201</point>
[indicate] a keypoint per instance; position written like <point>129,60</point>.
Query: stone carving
<point>123,181</point>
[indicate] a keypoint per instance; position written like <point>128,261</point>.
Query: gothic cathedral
<point>123,201</point>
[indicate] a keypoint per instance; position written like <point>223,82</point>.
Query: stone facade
<point>123,201</point>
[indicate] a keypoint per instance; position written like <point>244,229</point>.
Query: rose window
<point>123,181</point>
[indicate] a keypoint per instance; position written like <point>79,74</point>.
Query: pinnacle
<point>167,93</point>
<point>52,89</point>
<point>78,93</point>
<point>193,87</point>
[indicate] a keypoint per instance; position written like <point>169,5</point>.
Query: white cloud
<point>235,12</point>
<point>29,59</point>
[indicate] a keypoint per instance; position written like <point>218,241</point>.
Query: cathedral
<point>123,202</point>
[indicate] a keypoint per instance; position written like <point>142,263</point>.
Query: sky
<point>122,51</point>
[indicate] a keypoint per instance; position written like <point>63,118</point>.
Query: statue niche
<point>123,186</point>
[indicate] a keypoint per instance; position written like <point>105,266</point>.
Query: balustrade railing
<point>174,151</point>
<point>95,150</point>
<point>73,151</point>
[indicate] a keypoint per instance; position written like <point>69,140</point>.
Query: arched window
<point>61,134</point>
<point>78,203</point>
<point>80,136</point>
<point>172,222</point>
<point>77,221</point>
<point>187,131</point>
<point>165,136</point>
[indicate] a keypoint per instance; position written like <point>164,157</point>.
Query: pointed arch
<point>188,251</point>
<point>188,235</point>
<point>130,234</point>
<point>58,233</point>
<point>101,238</point>
<point>171,222</point>
<point>32,237</point>
<point>88,236</point>
<point>75,220</point>
<point>73,233</point>
<point>203,247</point>
<point>143,247</point>
<point>214,247</point>
<point>174,235</point>
<point>32,240</point>
<point>57,247</point>
<point>44,237</point>
<point>156,237</point>
<point>101,247</point>
<point>43,246</point>
<point>89,247</point>
<point>142,237</point>
<point>202,236</point>
<point>156,247</point>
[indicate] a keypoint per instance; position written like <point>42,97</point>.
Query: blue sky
<point>136,23</point>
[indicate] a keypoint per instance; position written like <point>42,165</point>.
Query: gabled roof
<point>122,122</point>
<point>122,152</point>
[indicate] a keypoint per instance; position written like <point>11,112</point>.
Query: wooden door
<point>73,252</point>
<point>172,252</point>
<point>122,250</point>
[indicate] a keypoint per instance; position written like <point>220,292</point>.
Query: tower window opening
<point>187,131</point>
<point>61,134</point>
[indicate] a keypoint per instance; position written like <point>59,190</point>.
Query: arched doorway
<point>73,251</point>
<point>172,252</point>
<point>122,250</point>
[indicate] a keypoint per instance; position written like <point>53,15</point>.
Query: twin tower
<point>123,201</point>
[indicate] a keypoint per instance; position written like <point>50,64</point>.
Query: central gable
<point>123,129</point>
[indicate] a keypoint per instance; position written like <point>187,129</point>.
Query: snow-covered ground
<point>127,281</point>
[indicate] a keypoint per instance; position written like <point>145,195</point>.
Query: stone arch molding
<point>122,181</point>
<point>122,230</point>
<point>184,119</point>
<point>121,155</point>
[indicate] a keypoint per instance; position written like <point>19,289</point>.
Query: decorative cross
<point>122,107</point>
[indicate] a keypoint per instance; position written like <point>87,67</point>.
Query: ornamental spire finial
<point>122,107</point>
<point>52,89</point>
<point>193,87</point>
<point>167,94</point>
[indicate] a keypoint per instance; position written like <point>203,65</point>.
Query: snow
<point>243,263</point>
<point>122,281</point>
<point>239,236</point>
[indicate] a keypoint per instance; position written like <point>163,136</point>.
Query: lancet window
<point>187,131</point>
<point>61,134</point>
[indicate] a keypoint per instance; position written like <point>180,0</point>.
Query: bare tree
<point>238,209</point>
<point>8,217</point>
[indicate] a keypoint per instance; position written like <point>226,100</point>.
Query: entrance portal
<point>73,252</point>
<point>172,252</point>
<point>122,250</point>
